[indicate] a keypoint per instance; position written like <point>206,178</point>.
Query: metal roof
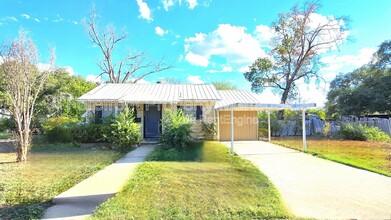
<point>151,93</point>
<point>239,99</point>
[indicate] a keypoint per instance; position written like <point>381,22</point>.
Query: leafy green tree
<point>295,50</point>
<point>60,93</point>
<point>220,85</point>
<point>365,90</point>
<point>382,58</point>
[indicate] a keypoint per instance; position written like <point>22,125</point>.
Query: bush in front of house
<point>209,130</point>
<point>176,130</point>
<point>56,129</point>
<point>66,130</point>
<point>362,133</point>
<point>125,131</point>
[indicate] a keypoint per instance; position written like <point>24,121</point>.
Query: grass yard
<point>372,156</point>
<point>26,189</point>
<point>211,184</point>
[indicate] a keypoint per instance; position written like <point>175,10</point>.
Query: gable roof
<point>151,93</point>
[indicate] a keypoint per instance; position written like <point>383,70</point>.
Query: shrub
<point>362,133</point>
<point>209,130</point>
<point>57,129</point>
<point>90,133</point>
<point>125,132</point>
<point>176,130</point>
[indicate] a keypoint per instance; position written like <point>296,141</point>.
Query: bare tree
<point>300,37</point>
<point>134,66</point>
<point>23,84</point>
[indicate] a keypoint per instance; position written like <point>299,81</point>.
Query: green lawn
<point>372,156</point>
<point>25,189</point>
<point>214,185</point>
<point>5,135</point>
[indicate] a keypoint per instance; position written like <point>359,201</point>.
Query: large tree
<point>23,83</point>
<point>365,90</point>
<point>300,36</point>
<point>221,85</point>
<point>130,68</point>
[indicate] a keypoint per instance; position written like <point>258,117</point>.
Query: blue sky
<point>209,40</point>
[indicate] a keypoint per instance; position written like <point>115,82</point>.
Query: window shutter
<point>98,114</point>
<point>199,113</point>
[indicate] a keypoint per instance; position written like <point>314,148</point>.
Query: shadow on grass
<point>30,211</point>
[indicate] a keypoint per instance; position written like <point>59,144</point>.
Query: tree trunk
<point>284,97</point>
<point>23,145</point>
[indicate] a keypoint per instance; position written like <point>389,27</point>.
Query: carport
<point>251,106</point>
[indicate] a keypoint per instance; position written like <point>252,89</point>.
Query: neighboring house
<point>203,102</point>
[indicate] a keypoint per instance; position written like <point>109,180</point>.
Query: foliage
<point>59,95</point>
<point>6,124</point>
<point>326,129</point>
<point>319,112</point>
<point>56,129</point>
<point>362,133</point>
<point>295,51</point>
<point>372,156</point>
<point>275,125</point>
<point>220,85</point>
<point>125,132</point>
<point>365,90</point>
<point>203,190</point>
<point>66,130</point>
<point>24,189</point>
<point>22,82</point>
<point>176,130</point>
<point>209,130</point>
<point>382,57</point>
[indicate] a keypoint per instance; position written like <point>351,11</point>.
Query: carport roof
<point>243,100</point>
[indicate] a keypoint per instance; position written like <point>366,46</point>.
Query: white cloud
<point>192,3</point>
<point>229,42</point>
<point>9,19</point>
<point>69,69</point>
<point>267,96</point>
<point>1,60</point>
<point>177,36</point>
<point>25,16</point>
<point>335,62</point>
<point>167,4</point>
<point>93,78</point>
<point>75,22</point>
<point>144,10</point>
<point>37,20</point>
<point>264,34</point>
<point>160,31</point>
<point>170,3</point>
<point>197,60</point>
<point>195,79</point>
<point>225,69</point>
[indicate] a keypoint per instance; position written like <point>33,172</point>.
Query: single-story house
<point>233,111</point>
<point>203,102</point>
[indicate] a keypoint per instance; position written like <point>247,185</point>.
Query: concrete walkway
<point>318,188</point>
<point>81,200</point>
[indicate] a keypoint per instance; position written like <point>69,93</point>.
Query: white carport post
<point>304,130</point>
<point>232,129</point>
<point>268,126</point>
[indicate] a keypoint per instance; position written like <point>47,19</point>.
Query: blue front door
<point>153,115</point>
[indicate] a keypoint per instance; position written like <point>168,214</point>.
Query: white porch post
<point>268,127</point>
<point>232,129</point>
<point>304,130</point>
<point>218,125</point>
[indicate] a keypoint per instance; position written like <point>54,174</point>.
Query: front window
<point>194,112</point>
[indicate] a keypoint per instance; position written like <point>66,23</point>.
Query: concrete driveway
<point>318,188</point>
